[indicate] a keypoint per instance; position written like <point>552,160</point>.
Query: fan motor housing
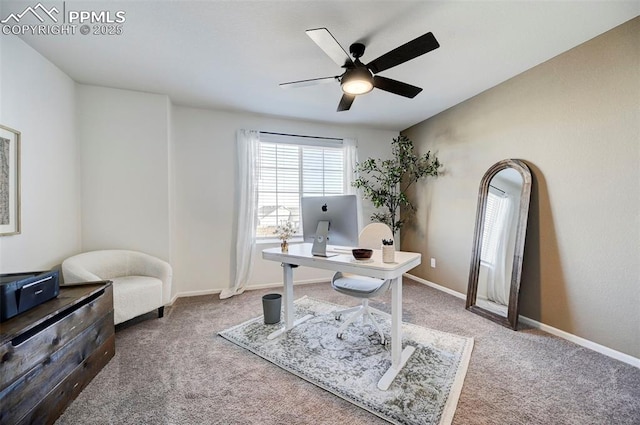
<point>357,50</point>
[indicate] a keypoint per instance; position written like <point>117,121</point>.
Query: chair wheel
<point>383,341</point>
<point>340,336</point>
<point>338,316</point>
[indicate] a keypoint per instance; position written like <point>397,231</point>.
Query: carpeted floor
<point>176,370</point>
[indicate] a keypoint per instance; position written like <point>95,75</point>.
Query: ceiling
<point>232,55</point>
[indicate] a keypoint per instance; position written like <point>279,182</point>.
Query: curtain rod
<point>300,135</point>
<point>498,189</point>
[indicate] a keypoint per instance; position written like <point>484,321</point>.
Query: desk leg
<point>289,312</point>
<point>287,278</point>
<point>399,356</point>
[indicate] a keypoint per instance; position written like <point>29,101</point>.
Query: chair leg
<point>160,312</point>
<point>347,322</point>
<point>365,309</point>
<point>376,325</point>
<point>361,310</point>
<point>339,313</point>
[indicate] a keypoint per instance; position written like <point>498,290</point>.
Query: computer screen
<point>341,214</point>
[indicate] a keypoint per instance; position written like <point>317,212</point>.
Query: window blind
<point>493,222</point>
<point>288,170</point>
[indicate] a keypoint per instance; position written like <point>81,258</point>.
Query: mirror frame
<point>511,320</point>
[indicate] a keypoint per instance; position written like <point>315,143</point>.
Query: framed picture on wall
<point>9,181</point>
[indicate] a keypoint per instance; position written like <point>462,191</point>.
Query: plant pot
<point>284,246</point>
<point>388,253</point>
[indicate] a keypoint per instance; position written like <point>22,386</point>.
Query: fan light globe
<point>357,87</point>
<point>357,81</point>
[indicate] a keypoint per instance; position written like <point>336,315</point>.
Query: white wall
<point>162,179</point>
<point>205,193</point>
<point>37,99</point>
<point>124,139</point>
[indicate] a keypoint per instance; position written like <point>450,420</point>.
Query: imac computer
<point>329,220</point>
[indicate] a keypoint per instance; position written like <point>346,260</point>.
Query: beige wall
<point>576,121</point>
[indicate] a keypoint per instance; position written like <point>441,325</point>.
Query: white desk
<point>300,255</point>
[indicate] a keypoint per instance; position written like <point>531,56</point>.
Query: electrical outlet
<point>433,263</point>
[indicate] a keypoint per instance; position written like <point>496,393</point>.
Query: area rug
<point>426,391</point>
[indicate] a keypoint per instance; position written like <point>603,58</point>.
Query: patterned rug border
<point>455,390</point>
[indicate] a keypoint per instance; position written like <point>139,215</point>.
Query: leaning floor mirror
<point>498,244</point>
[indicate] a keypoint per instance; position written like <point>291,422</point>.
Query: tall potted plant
<point>385,182</point>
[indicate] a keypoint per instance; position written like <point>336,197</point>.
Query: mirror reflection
<point>498,241</point>
<point>501,221</point>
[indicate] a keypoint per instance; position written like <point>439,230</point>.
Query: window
<point>287,171</point>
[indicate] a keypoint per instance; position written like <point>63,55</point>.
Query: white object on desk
<point>300,255</point>
<point>340,249</point>
<point>388,253</point>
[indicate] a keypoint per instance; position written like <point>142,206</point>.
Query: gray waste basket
<point>271,304</point>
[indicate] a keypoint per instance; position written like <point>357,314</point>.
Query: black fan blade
<point>396,87</point>
<point>345,102</point>
<point>307,83</point>
<point>406,52</point>
<point>327,42</point>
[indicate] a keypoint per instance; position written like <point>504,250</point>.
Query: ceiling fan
<point>359,78</point>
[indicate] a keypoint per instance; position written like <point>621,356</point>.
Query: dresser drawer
<point>66,391</point>
<point>39,343</point>
<point>28,391</point>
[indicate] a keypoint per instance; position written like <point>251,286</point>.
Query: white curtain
<point>499,281</point>
<point>350,163</point>
<point>248,144</point>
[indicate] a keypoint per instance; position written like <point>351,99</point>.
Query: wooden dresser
<point>51,352</point>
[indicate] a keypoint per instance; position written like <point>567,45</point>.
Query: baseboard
<point>436,286</point>
<point>249,288</point>
<point>279,284</point>
<point>582,342</point>
<point>194,294</point>
<point>633,361</point>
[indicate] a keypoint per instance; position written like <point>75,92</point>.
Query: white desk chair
<point>362,286</point>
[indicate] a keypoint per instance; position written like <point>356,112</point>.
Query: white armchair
<point>141,282</point>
